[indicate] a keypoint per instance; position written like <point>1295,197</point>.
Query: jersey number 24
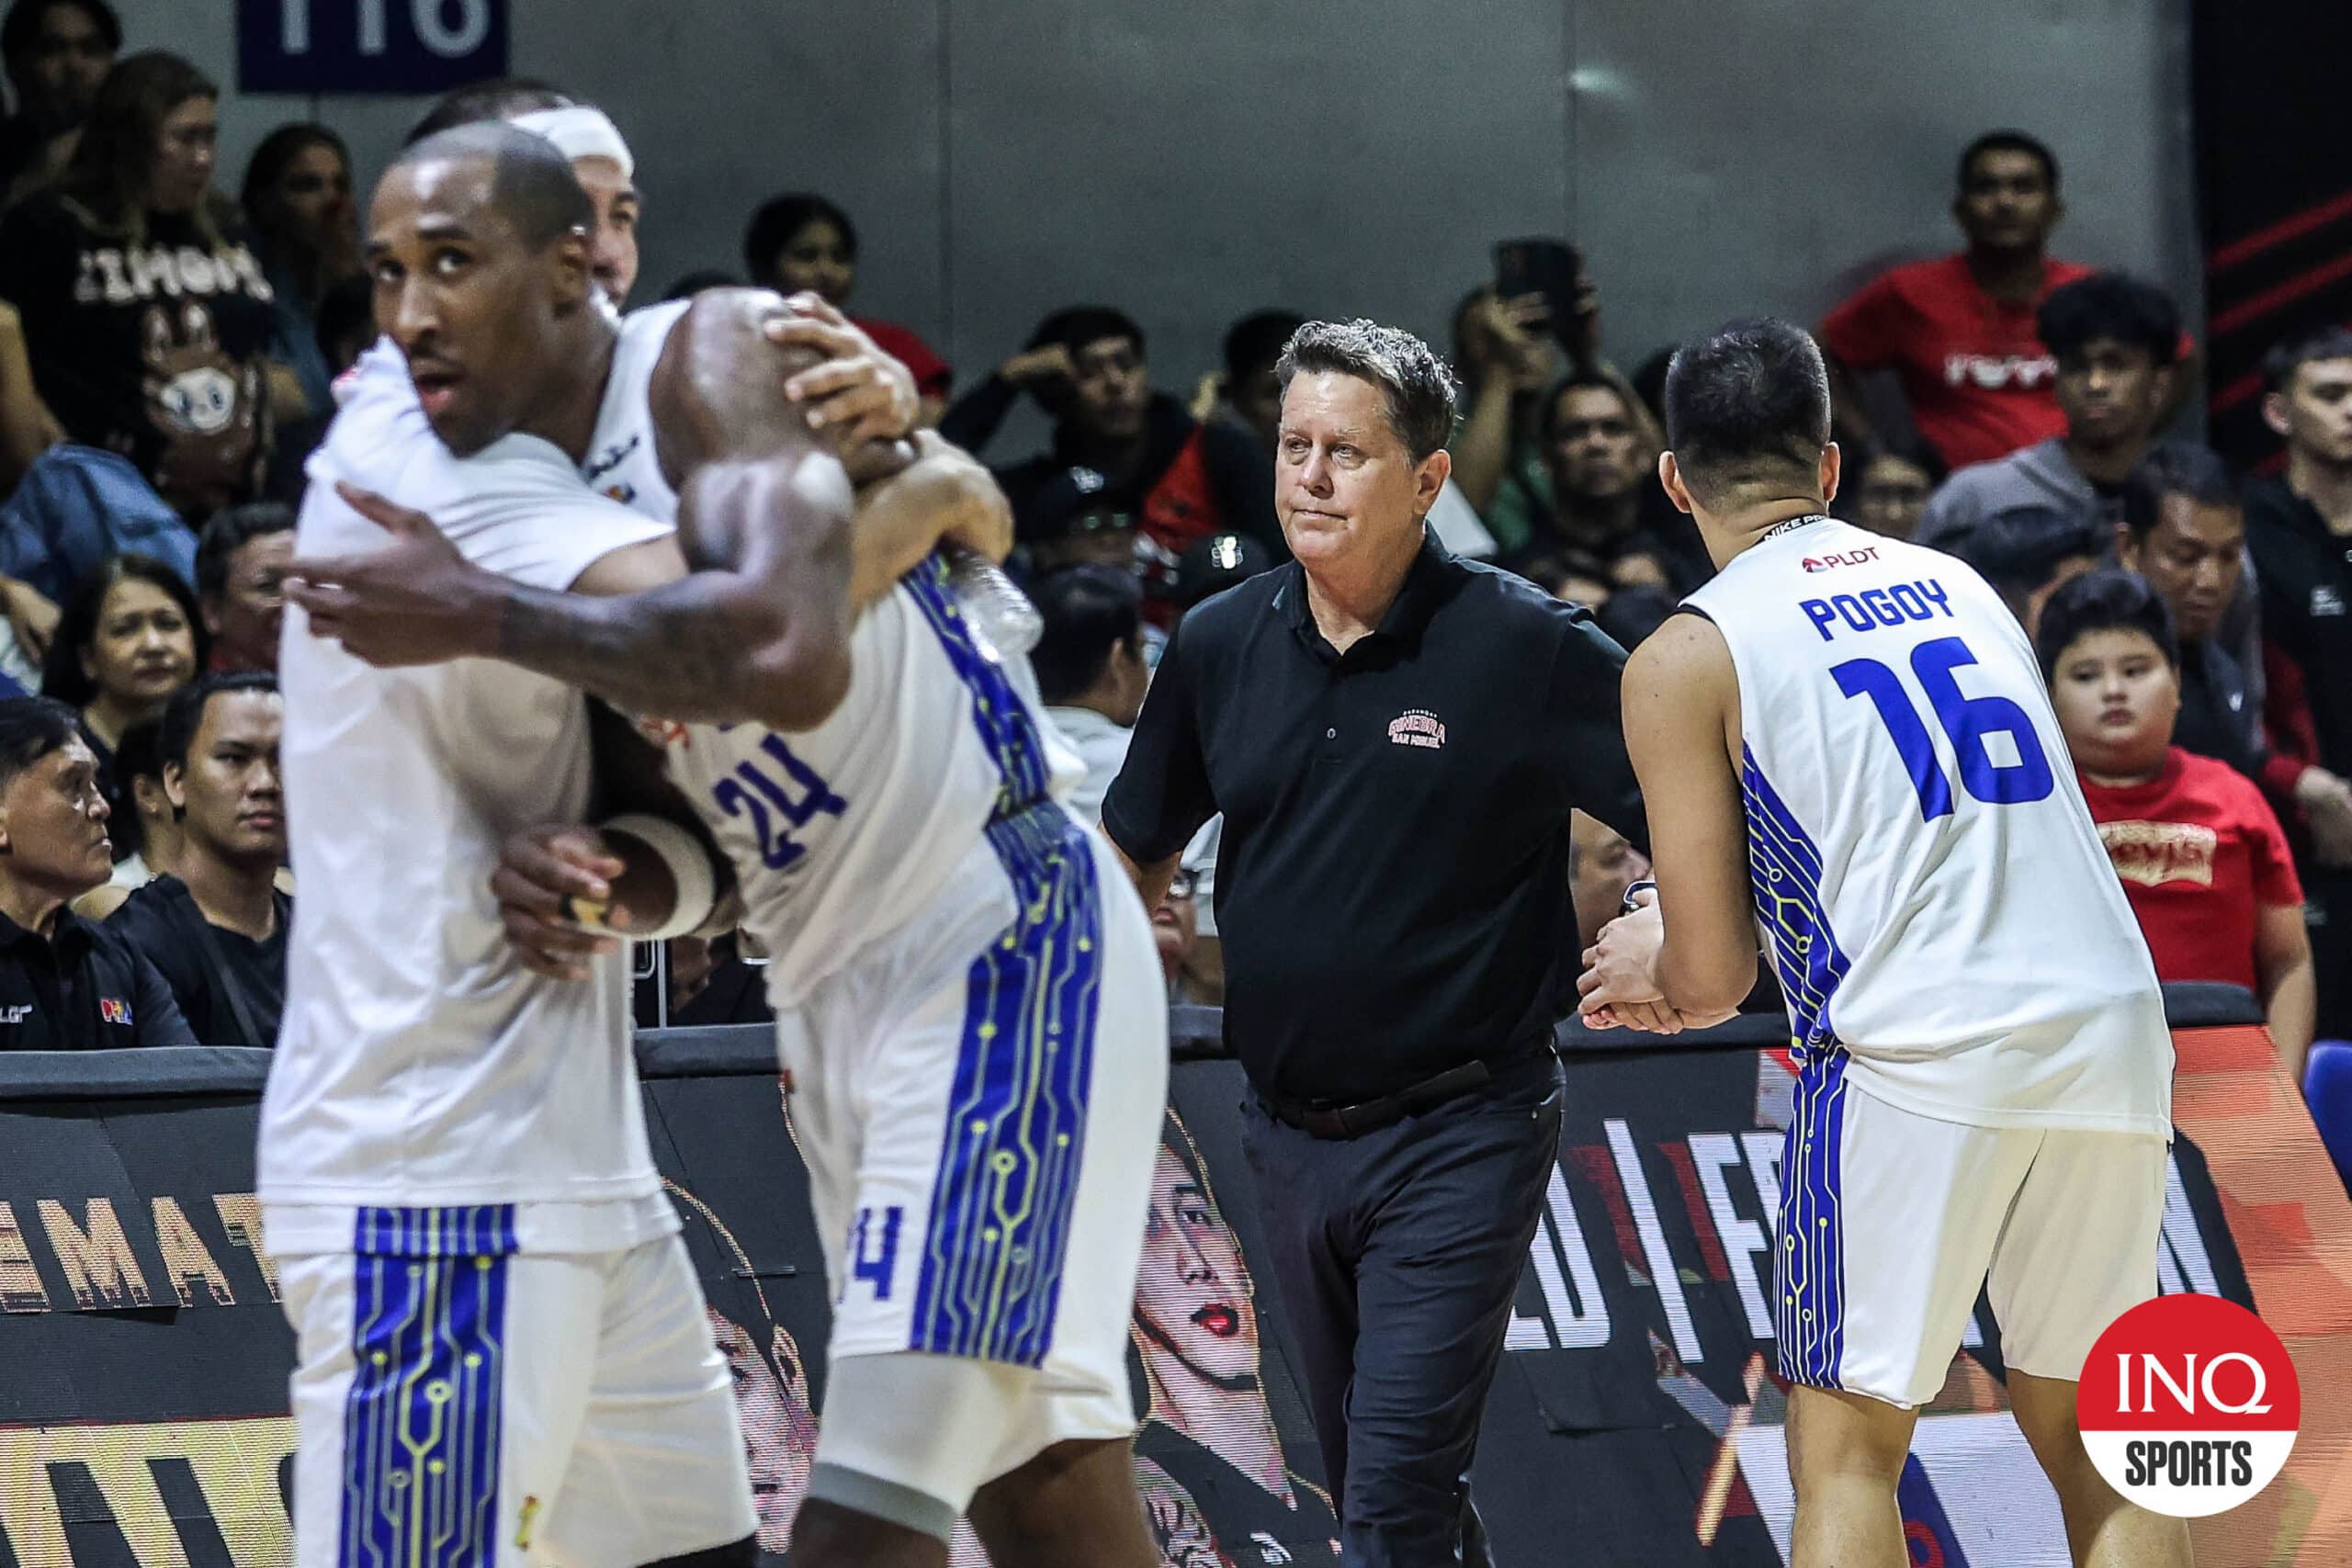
<point>1968,721</point>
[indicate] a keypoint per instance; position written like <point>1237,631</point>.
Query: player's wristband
<point>690,869</point>
<point>1627,906</point>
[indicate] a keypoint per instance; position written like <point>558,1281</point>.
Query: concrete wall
<point>1193,159</point>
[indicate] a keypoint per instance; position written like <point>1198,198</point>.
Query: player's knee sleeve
<point>908,1438</point>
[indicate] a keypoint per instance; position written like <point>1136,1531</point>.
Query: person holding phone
<point>1508,337</point>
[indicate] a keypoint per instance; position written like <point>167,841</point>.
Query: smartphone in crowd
<point>1543,266</point>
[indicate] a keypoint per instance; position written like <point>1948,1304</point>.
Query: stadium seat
<point>2328,1086</point>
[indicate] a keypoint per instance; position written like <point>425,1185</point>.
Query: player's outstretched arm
<point>1696,948</point>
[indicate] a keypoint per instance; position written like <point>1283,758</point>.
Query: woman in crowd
<point>1196,1328</point>
<point>128,638</point>
<point>147,319</point>
<point>298,198</point>
<point>2201,853</point>
<point>803,244</point>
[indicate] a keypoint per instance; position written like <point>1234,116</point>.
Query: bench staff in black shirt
<point>65,985</point>
<point>1397,739</point>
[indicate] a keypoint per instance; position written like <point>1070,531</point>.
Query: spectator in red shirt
<point>2202,857</point>
<point>2116,340</point>
<point>1959,332</point>
<point>803,244</point>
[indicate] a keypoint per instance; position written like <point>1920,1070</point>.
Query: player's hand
<point>976,514</point>
<point>415,602</point>
<point>1652,1017</point>
<point>554,887</point>
<point>949,497</point>
<point>859,394</point>
<point>1621,966</point>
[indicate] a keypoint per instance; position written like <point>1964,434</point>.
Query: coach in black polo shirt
<point>1395,739</point>
<point>65,985</point>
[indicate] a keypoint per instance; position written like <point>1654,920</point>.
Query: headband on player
<point>580,132</point>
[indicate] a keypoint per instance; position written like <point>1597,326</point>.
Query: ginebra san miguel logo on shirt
<point>1417,727</point>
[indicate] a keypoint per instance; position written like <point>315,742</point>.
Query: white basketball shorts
<point>1891,1220</point>
<point>489,1408</point>
<point>978,1105</point>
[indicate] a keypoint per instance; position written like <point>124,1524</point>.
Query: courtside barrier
<point>143,1358</point>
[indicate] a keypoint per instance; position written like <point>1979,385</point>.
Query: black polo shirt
<point>1392,889</point>
<point>84,988</point>
<point>2305,570</point>
<point>230,988</point>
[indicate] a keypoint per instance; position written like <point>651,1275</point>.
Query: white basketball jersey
<point>622,464</point>
<point>419,1064</point>
<point>1934,895</point>
<point>841,834</point>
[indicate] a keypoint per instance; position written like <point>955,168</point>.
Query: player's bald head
<point>530,181</point>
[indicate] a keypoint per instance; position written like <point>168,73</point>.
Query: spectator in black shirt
<point>241,561</point>
<point>128,637</point>
<point>1600,450</point>
<point>1397,739</point>
<point>56,53</point>
<point>216,929</point>
<point>2298,526</point>
<point>2184,530</point>
<point>146,315</point>
<point>65,984</point>
<point>1179,478</point>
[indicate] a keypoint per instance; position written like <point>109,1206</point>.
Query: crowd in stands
<point>167,357</point>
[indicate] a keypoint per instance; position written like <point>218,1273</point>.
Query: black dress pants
<point>1397,1254</point>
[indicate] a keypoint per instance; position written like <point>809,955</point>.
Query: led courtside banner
<point>143,1359</point>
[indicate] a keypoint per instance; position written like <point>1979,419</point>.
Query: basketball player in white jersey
<point>502,1352</point>
<point>982,1059</point>
<point>1847,736</point>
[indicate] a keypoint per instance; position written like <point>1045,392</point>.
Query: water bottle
<point>1000,613</point>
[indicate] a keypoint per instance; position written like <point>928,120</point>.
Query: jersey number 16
<point>1968,721</point>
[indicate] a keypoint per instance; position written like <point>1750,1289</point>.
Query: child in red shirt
<point>2201,855</point>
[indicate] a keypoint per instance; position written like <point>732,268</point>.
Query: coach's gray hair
<point>1420,390</point>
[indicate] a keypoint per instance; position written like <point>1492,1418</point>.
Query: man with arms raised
<point>980,1081</point>
<point>1848,737</point>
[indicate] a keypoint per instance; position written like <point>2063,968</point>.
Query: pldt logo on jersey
<point>2189,1405</point>
<point>1843,557</point>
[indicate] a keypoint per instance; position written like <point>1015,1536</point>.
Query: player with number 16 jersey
<point>1846,746</point>
<point>1967,986</point>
